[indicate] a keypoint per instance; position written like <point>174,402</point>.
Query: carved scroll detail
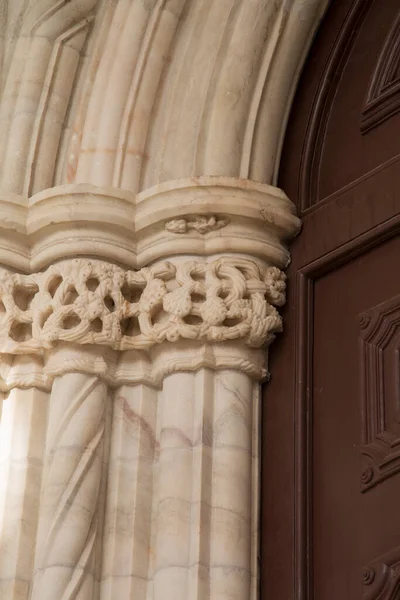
<point>92,302</point>
<point>381,579</point>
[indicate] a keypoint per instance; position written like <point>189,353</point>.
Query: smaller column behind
<point>126,542</point>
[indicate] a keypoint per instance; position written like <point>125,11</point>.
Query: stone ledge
<point>199,216</point>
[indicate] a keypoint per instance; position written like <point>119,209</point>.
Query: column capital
<point>194,261</point>
<point>91,302</point>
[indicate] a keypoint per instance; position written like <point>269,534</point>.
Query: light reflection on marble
<point>22,434</point>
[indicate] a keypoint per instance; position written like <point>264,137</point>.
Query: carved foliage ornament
<point>93,302</point>
<point>201,223</point>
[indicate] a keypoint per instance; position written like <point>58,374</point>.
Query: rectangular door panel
<point>354,478</point>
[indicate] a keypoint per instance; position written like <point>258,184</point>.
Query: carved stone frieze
<point>93,302</point>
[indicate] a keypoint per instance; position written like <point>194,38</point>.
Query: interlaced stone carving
<point>93,302</point>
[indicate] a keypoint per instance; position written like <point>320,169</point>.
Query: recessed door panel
<point>353,522</point>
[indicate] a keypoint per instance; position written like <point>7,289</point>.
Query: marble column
<point>70,516</point>
<point>149,487</point>
<point>204,516</point>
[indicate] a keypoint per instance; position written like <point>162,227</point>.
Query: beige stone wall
<point>142,248</point>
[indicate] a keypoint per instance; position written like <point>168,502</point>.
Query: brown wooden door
<point>331,413</point>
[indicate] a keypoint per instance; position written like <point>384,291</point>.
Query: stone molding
<point>133,230</point>
<point>131,367</point>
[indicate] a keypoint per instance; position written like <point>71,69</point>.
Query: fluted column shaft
<point>127,526</point>
<point>203,546</point>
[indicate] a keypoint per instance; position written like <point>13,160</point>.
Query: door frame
<point>304,280</point>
